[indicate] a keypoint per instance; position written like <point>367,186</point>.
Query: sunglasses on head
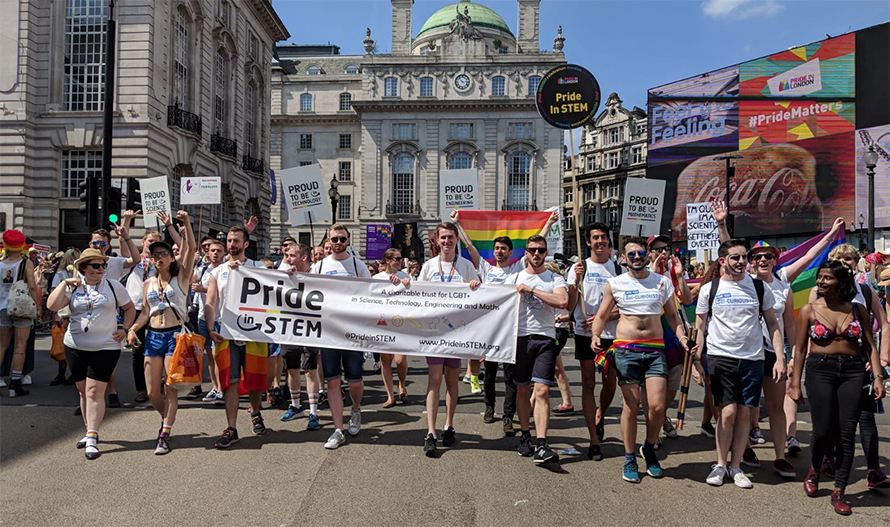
<point>633,255</point>
<point>764,256</point>
<point>339,239</point>
<point>160,254</point>
<point>661,249</point>
<point>98,266</point>
<point>736,257</point>
<point>539,250</point>
<point>99,244</point>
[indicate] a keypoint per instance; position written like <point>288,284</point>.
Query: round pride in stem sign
<point>568,96</point>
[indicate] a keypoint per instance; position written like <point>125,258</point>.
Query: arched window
<point>220,94</point>
<point>518,177</point>
<point>345,102</point>
<point>250,112</point>
<point>313,70</point>
<point>351,69</point>
<point>306,102</point>
<point>181,81</point>
<point>461,160</point>
<point>403,184</point>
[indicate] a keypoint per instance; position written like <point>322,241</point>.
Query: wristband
<point>125,239</point>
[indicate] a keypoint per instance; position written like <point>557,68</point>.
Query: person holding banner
<point>165,308</point>
<point>447,266</point>
<point>392,271</point>
<point>336,362</point>
<point>638,349</point>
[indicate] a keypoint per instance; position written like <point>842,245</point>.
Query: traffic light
<point>112,206</point>
<point>89,196</point>
<point>134,195</point>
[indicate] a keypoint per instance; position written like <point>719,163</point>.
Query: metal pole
<point>871,208</point>
<point>311,230</point>
<point>576,192</point>
<point>108,123</point>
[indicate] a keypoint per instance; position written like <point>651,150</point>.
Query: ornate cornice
<point>444,105</point>
<point>299,119</point>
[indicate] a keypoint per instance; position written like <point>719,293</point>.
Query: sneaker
<point>595,453</point>
<point>508,427</point>
<point>653,467</point>
<point>429,445</point>
<point>544,455</point>
<point>740,479</point>
<point>114,401</point>
<point>16,389</point>
<point>355,423</point>
<point>828,467</point>
<point>749,458</point>
<point>658,443</point>
<point>488,416</point>
<point>195,392</point>
<point>792,445</point>
<point>525,445</point>
<point>162,447</point>
<point>83,442</point>
<point>312,424</point>
<point>210,397</point>
<point>707,430</point>
<point>376,367</point>
<point>601,430</point>
<point>466,379</point>
<point>26,380</point>
<point>669,429</point>
<point>475,389</point>
<point>717,475</point>
<point>141,397</point>
<point>60,379</point>
<point>756,436</point>
<point>448,438</point>
<point>292,413</point>
<point>877,479</point>
<point>784,469</point>
<point>631,471</point>
<point>336,439</point>
<point>322,397</point>
<point>259,427</point>
<point>220,399</point>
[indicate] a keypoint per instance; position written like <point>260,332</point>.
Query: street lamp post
<point>335,198</point>
<point>871,161</point>
<point>730,173</point>
<point>861,228</point>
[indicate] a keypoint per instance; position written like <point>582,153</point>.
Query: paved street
<point>287,478</point>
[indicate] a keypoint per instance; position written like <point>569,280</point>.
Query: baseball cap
<point>657,237</point>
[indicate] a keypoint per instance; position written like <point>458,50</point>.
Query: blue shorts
<point>161,343</point>
<point>736,381</point>
<point>352,362</point>
<point>634,367</point>
<point>205,332</point>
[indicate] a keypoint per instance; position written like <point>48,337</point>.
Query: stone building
<point>612,149</point>
<point>192,98</point>
<point>458,93</point>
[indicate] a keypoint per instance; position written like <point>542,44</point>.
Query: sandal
<point>563,409</point>
<point>389,404</point>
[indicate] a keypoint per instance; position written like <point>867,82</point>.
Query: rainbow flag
<point>807,279</point>
<point>483,226</point>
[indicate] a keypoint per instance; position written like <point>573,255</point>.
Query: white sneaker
<point>740,479</point>
<point>336,439</point>
<point>220,399</point>
<point>716,476</point>
<point>669,429</point>
<point>210,397</point>
<point>793,445</point>
<point>2,383</point>
<point>26,380</point>
<point>355,423</point>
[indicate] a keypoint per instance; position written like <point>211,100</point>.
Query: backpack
<point>618,271</point>
<point>759,288</point>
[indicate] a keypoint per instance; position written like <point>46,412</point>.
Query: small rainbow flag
<point>483,226</point>
<point>807,279</point>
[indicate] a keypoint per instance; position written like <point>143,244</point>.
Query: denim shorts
<point>736,381</point>
<point>7,321</point>
<point>352,362</point>
<point>634,367</point>
<point>161,343</point>
<point>204,332</point>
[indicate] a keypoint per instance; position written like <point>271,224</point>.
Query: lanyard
<point>89,299</point>
<point>453,267</point>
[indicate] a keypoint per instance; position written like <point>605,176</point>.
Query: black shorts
<point>562,338</point>
<point>96,365</point>
<point>736,381</point>
<point>583,350</point>
<point>535,360</point>
<point>300,357</point>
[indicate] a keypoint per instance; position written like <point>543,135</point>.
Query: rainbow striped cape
<point>483,226</point>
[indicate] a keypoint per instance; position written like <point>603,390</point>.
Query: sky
<point>628,45</point>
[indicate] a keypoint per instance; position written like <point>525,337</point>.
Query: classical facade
<point>612,149</point>
<point>192,98</point>
<point>456,94</point>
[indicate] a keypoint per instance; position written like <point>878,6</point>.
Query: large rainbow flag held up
<point>483,226</point>
<point>807,279</point>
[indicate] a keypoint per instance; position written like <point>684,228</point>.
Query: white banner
<point>554,237</point>
<point>427,319</point>
<point>458,190</point>
<point>200,191</point>
<point>155,197</point>
<point>304,193</point>
<point>701,227</point>
<point>643,205</point>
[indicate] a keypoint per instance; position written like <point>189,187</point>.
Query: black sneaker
<point>544,455</point>
<point>601,430</point>
<point>114,401</point>
<point>448,437</point>
<point>595,453</point>
<point>488,417</point>
<point>259,428</point>
<point>429,445</point>
<point>229,436</point>
<point>525,445</point>
<point>749,458</point>
<point>195,392</point>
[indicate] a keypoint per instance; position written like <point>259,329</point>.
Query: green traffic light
<point>113,218</point>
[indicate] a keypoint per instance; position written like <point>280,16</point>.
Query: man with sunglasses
<point>286,245</point>
<point>335,362</point>
<point>638,349</point>
<point>728,318</point>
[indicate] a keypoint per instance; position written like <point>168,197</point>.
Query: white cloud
<point>740,8</point>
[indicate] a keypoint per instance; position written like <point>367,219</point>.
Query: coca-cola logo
<point>786,192</point>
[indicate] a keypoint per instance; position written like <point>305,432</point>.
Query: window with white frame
<point>313,69</point>
<point>306,102</point>
<point>533,83</point>
<point>426,87</point>
<point>640,128</point>
<point>518,178</point>
<point>391,87</point>
<point>613,159</point>
<point>591,163</point>
<point>253,49</point>
<point>460,160</point>
<point>345,102</point>
<point>462,131</point>
<point>613,136</point>
<point>181,81</point>
<point>636,155</point>
<point>346,141</point>
<point>403,184</point>
<point>344,207</point>
<point>351,69</point>
<point>498,86</point>
<point>250,109</point>
<point>220,93</point>
<point>305,141</point>
<point>85,30</point>
<point>77,165</point>
<point>590,193</point>
<point>568,193</point>
<point>404,131</point>
<point>345,172</point>
<point>614,213</point>
<point>589,215</point>
<point>593,140</point>
<point>175,180</point>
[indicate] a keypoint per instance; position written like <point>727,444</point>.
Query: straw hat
<point>885,278</point>
<point>89,254</point>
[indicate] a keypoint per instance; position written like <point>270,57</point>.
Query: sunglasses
<point>397,258</point>
<point>736,257</point>
<point>633,255</point>
<point>339,239</point>
<point>659,249</point>
<point>205,245</point>
<point>766,256</point>
<point>99,244</point>
<point>539,250</point>
<point>160,254</point>
<point>98,266</point>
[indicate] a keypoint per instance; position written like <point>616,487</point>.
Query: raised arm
<point>186,250</point>
<point>554,217</point>
<point>171,229</point>
<point>475,258</point>
<point>720,213</point>
<point>794,269</point>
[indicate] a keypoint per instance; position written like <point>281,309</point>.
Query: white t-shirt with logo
<point>734,326</point>
<point>492,274</point>
<point>221,275</point>
<point>351,266</point>
<point>594,284</point>
<point>201,298</point>
<point>142,272</point>
<point>535,316</point>
<point>463,271</point>
<point>93,332</point>
<point>641,297</point>
<point>780,287</point>
<point>401,275</point>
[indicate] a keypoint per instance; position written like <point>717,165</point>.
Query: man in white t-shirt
<point>236,243</point>
<point>735,350</point>
<point>215,251</point>
<point>638,349</point>
<point>448,266</point>
<point>543,293</point>
<point>336,362</point>
<point>286,245</point>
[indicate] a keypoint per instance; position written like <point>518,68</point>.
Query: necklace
<point>453,267</point>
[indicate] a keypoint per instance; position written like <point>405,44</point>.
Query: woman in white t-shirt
<point>93,339</point>
<point>391,266</point>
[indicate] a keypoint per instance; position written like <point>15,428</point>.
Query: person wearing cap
<point>93,338</point>
<point>286,244</point>
<point>164,308</point>
<point>13,268</point>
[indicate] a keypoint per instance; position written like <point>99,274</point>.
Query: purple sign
<point>378,238</point>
